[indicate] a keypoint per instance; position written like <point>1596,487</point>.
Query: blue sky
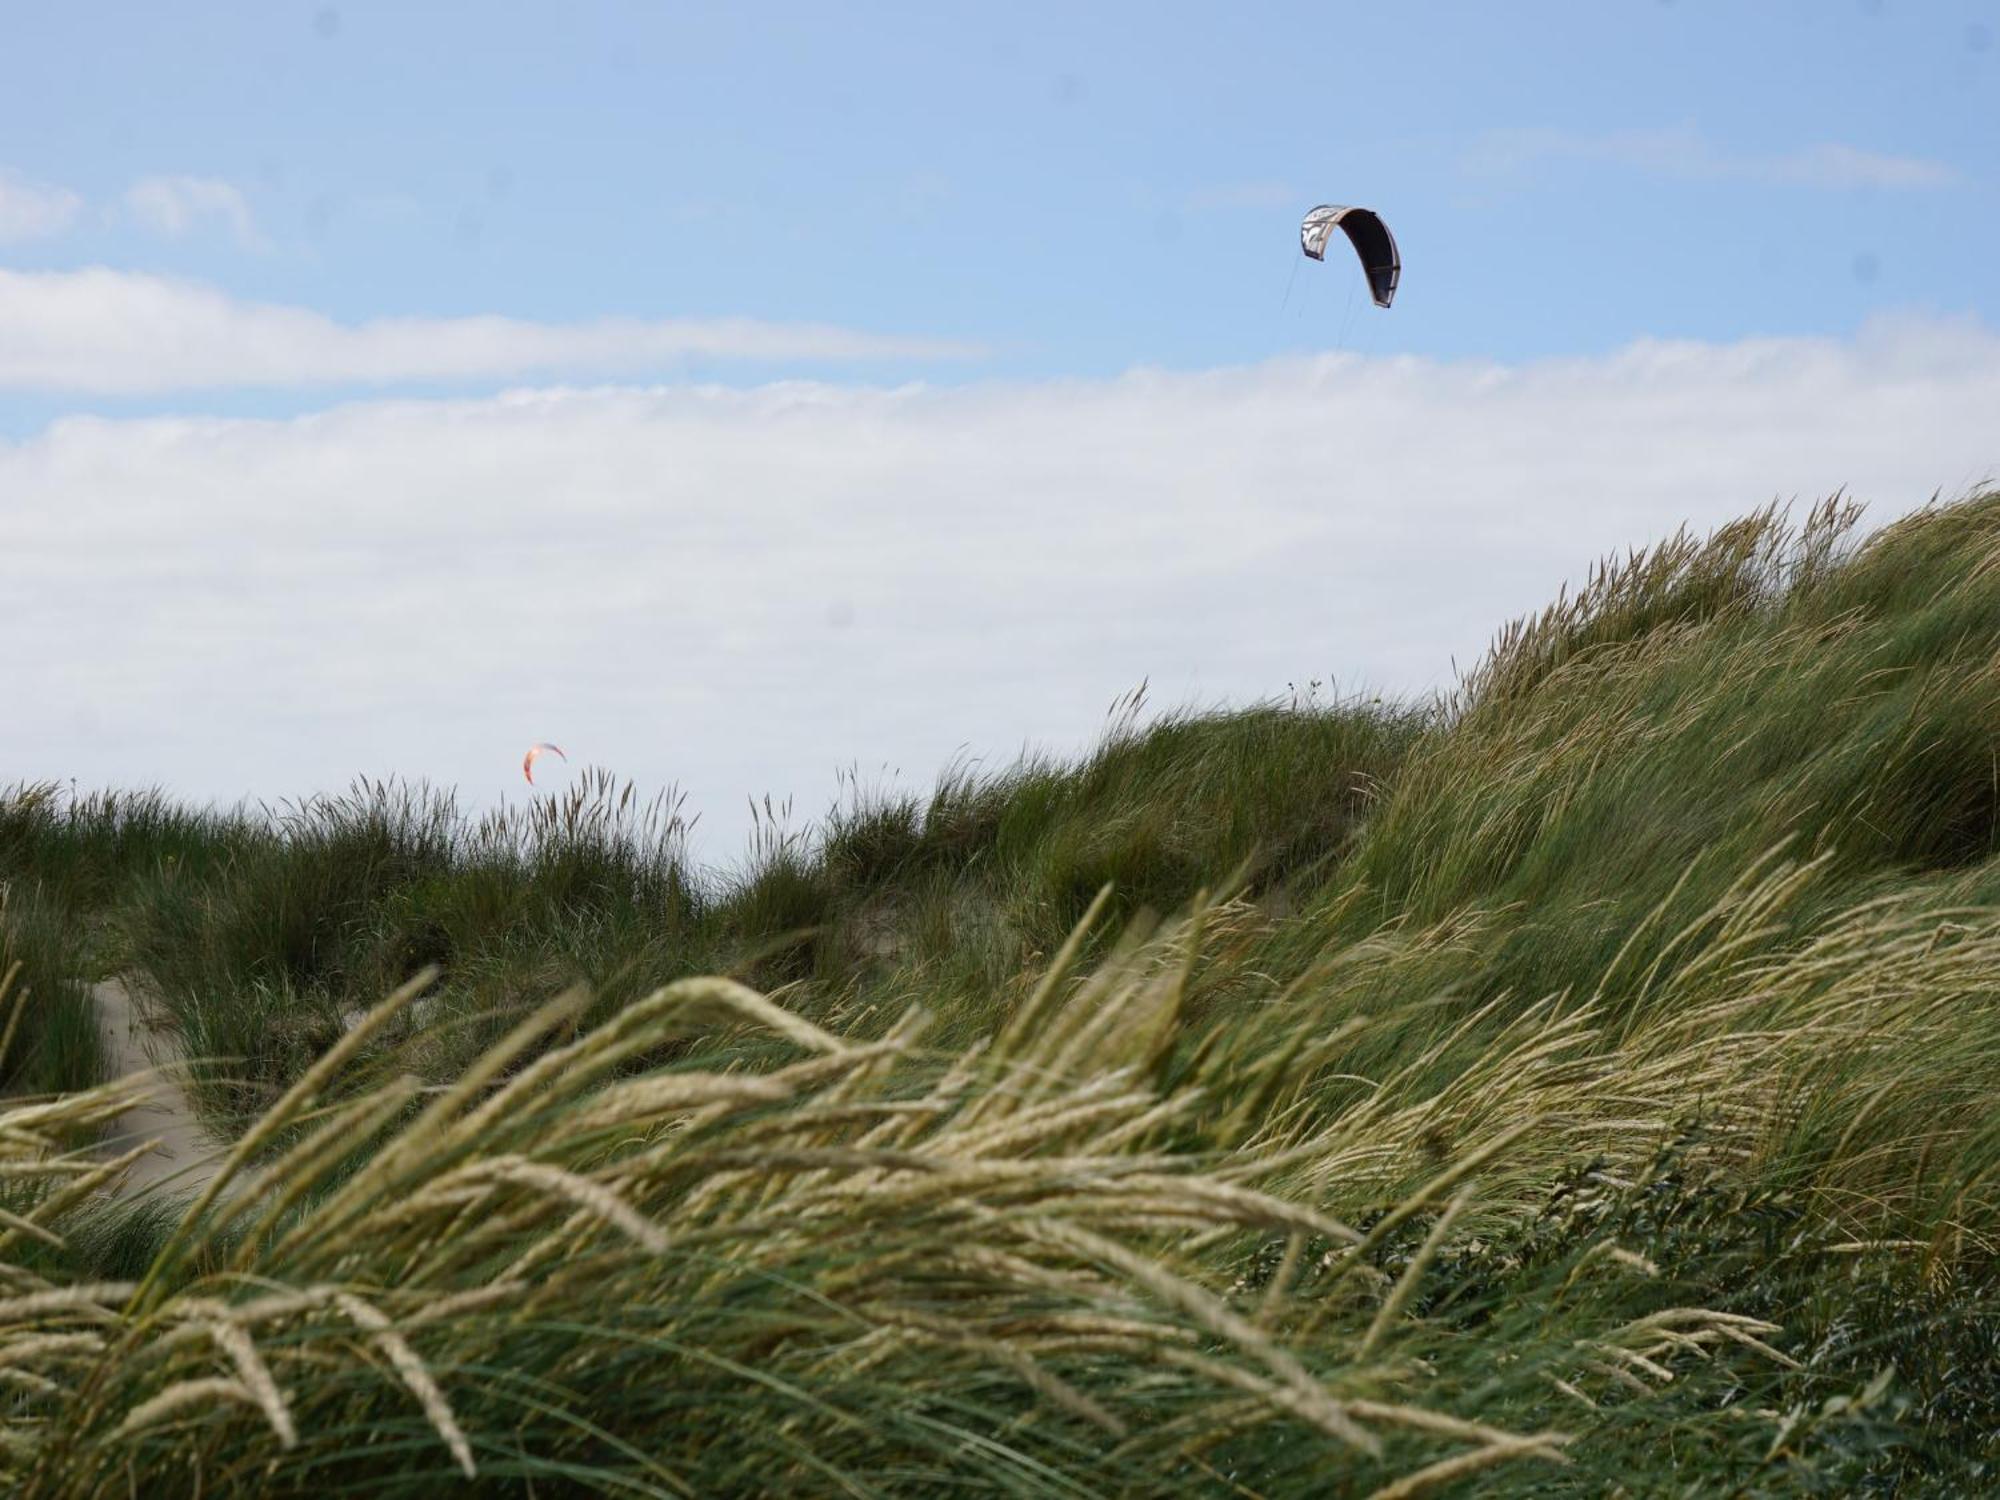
<point>234,235</point>
<point>1079,189</point>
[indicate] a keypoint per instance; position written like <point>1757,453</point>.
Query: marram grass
<point>1582,1085</point>
<point>872,1267</point>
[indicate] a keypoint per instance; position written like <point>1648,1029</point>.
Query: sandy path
<point>186,1157</point>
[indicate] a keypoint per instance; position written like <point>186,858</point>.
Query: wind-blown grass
<point>1580,1082</point>
<point>875,1266</point>
<point>50,1040</point>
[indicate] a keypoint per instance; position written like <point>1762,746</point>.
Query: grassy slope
<point>1671,943</point>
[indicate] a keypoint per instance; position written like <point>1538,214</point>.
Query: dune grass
<point>1031,1265</point>
<point>52,1042</point>
<point>1579,1084</point>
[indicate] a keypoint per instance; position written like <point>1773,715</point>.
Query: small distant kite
<point>1369,236</point>
<point>528,760</point>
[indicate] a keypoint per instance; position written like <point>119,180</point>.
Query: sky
<point>736,395</point>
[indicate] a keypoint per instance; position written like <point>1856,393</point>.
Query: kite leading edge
<point>528,760</point>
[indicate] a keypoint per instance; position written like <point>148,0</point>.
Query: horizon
<point>734,399</point>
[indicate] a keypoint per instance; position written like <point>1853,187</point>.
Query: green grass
<point>1583,1081</point>
<point>51,1040</point>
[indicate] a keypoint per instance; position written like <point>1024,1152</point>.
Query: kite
<point>1369,236</point>
<point>528,760</point>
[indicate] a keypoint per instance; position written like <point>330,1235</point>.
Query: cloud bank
<point>126,333</point>
<point>741,590</point>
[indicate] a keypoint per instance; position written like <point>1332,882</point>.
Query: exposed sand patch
<point>186,1156</point>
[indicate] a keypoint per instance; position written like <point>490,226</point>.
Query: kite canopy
<point>1369,236</point>
<point>528,760</point>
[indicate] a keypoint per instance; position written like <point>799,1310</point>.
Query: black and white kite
<point>1369,236</point>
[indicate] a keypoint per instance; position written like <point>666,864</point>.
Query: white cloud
<point>33,210</point>
<point>177,206</point>
<point>122,332</point>
<point>741,590</point>
<point>1686,153</point>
